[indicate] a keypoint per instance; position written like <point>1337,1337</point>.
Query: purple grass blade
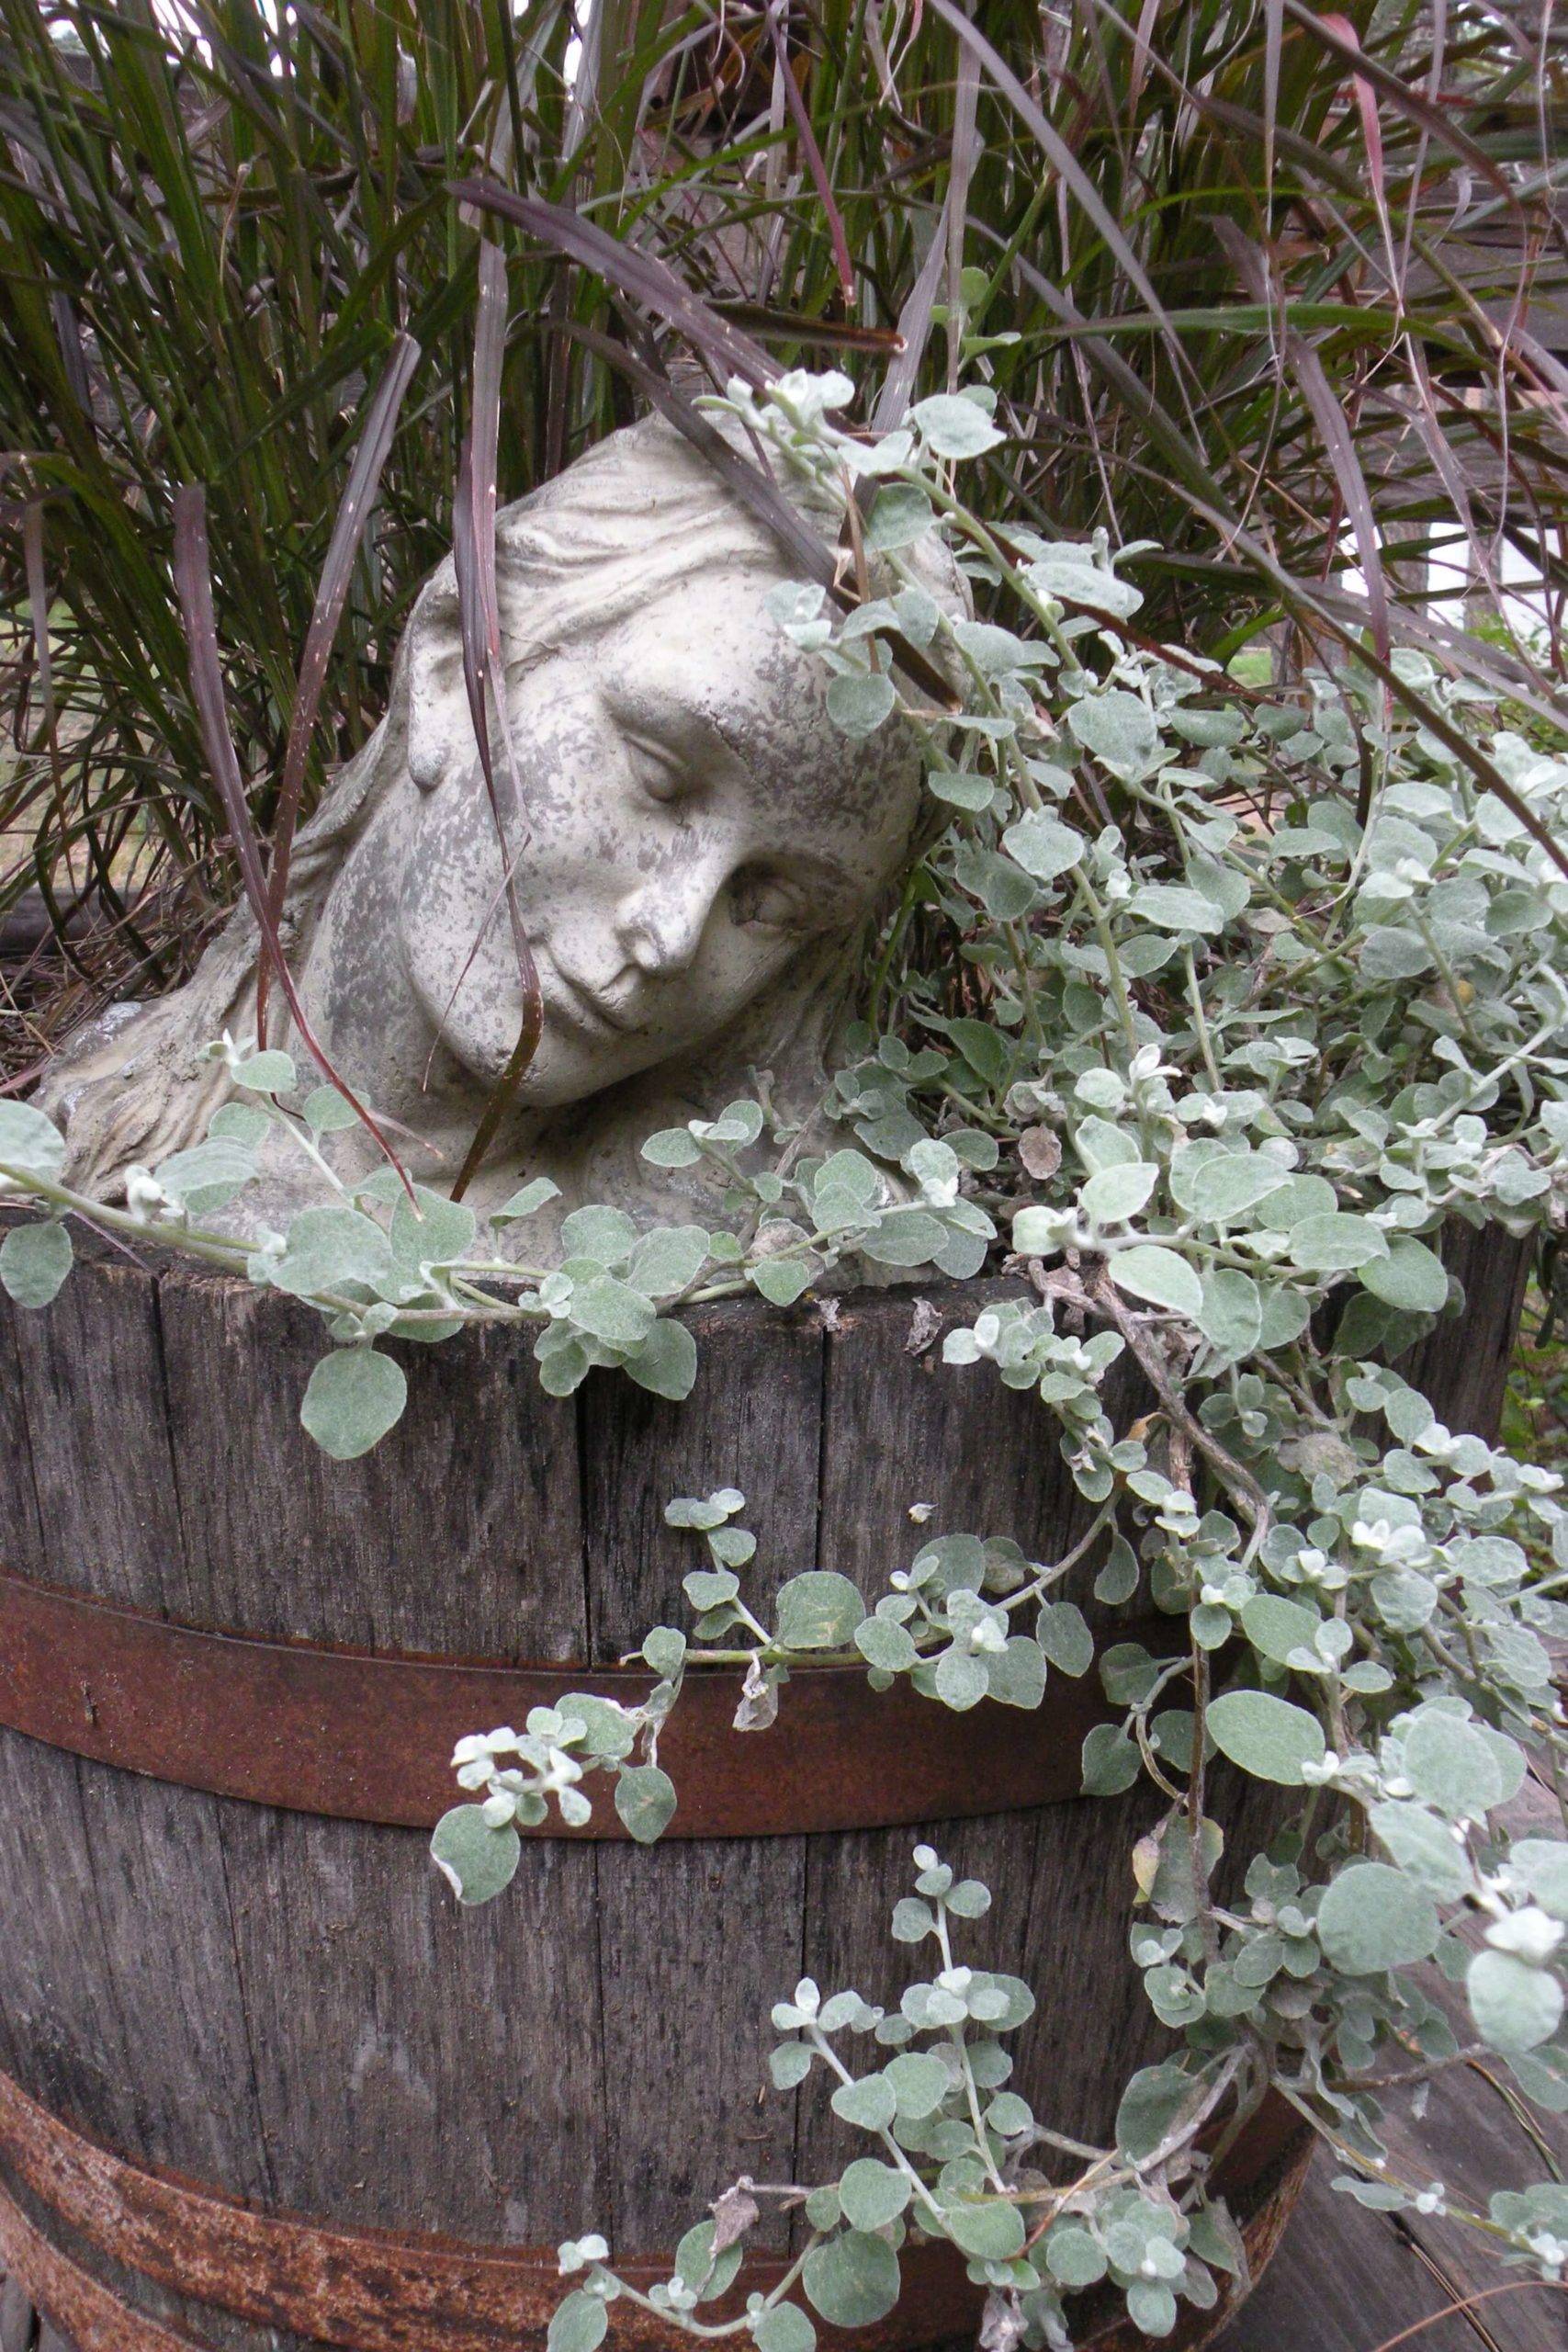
<point>778,33</point>
<point>43,659</point>
<point>478,613</point>
<point>1068,168</point>
<point>1333,426</point>
<point>961,171</point>
<point>914,328</point>
<point>193,582</point>
<point>637,275</point>
<point>1437,119</point>
<point>794,326</point>
<point>332,595</point>
<point>1273,30</point>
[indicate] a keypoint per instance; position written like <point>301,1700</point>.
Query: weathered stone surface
<point>696,850</point>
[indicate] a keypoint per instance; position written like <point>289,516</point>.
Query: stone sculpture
<point>697,851</point>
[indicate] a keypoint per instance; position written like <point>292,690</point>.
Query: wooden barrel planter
<point>264,2088</point>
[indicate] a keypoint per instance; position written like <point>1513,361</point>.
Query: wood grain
<point>693,1939</point>
<point>295,2010</point>
<point>459,1533</point>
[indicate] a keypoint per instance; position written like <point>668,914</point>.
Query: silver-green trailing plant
<point>1237,1004</point>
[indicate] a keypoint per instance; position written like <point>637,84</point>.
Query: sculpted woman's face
<point>691,820</point>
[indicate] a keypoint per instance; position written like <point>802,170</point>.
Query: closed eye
<point>663,775</point>
<point>770,901</point>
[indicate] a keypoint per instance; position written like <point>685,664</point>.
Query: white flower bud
<point>1531,1935</point>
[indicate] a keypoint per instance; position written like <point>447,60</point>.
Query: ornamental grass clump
<point>1277,288</point>
<point>1209,1015</point>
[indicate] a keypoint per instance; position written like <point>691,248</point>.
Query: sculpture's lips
<point>587,1011</point>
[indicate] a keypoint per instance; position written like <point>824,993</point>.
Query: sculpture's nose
<point>661,927</point>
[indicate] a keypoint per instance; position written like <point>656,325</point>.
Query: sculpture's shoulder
<point>135,1083</point>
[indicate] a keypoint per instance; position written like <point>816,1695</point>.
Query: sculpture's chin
<point>566,1067</point>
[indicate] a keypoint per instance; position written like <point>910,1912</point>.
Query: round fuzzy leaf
<point>609,1310</point>
<point>860,701</point>
<point>668,1258</point>
<point>1423,1847</point>
<point>873,2194</point>
<point>920,2083</point>
<point>1276,1626</point>
<point>1410,1277</point>
<point>1064,1636</point>
<point>1150,2105</point>
<point>207,1176</point>
<point>1374,1917</point>
<point>783,2328</point>
<point>1450,1763</point>
<point>353,1399</point>
<point>960,788</point>
<point>819,1610</point>
<point>476,1860</point>
<point>912,1919</point>
<point>1515,2005</point>
<point>1151,2306</point>
<point>1015,1675</point>
<point>533,1195</point>
<point>886,1645</point>
<point>1074,2256</point>
<point>243,1123</point>
<point>666,1363</point>
<point>442,1233</point>
<point>1267,1737</point>
<point>645,1800</point>
<point>853,2281</point>
<point>1176,908</point>
<point>34,1261</point>
<point>709,2275</point>
<point>579,2325</point>
<point>1542,1864</point>
<point>790,2063</point>
<point>1110,1761</point>
<point>665,1648</point>
<point>961,1678</point>
<point>1116,726</point>
<point>987,2232</point>
<point>606,1235</point>
<point>901,516</point>
<point>871,2102</point>
<point>1227,1186</point>
<point>30,1143</point>
<point>1232,1315</point>
<point>781,1282</point>
<point>953,426</point>
<point>330,1248</point>
<point>1336,1243</point>
<point>1042,845</point>
<point>672,1147</point>
<point>1160,1276</point>
<point>269,1073</point>
<point>1117,1193</point>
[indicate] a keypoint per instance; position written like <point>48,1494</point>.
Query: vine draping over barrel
<point>1257,996</point>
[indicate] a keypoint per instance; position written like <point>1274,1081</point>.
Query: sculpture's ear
<point>440,730</point>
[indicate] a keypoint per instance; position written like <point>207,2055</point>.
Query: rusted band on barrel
<point>360,1736</point>
<point>94,2320</point>
<point>366,2291</point>
<point>371,2291</point>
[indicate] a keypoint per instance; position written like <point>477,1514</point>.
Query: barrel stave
<point>293,2009</point>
